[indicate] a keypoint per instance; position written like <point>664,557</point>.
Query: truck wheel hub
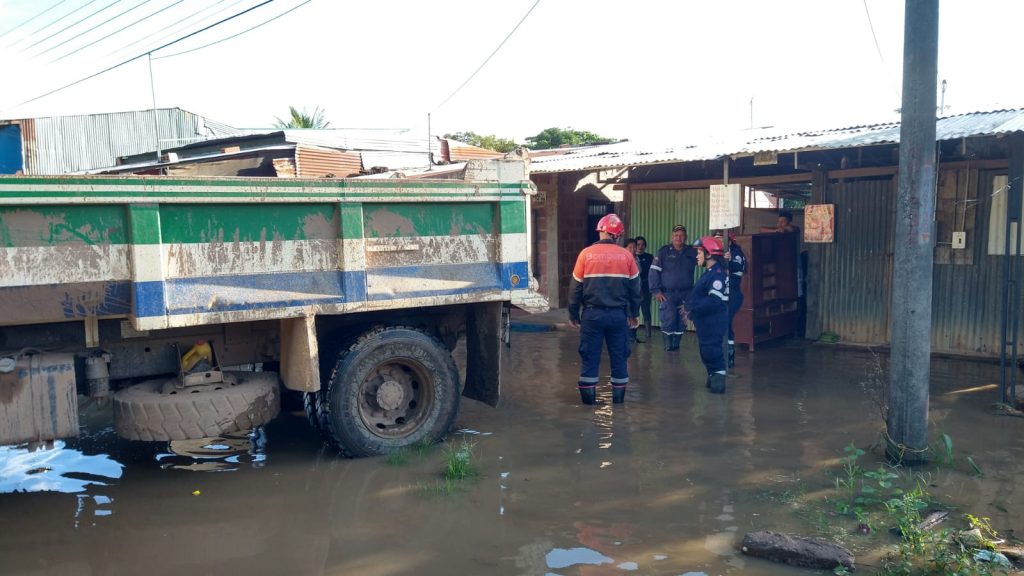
<point>390,395</point>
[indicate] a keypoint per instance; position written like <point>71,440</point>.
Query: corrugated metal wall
<point>653,213</point>
<point>855,272</point>
<point>63,144</point>
<point>854,275</point>
<point>967,299</point>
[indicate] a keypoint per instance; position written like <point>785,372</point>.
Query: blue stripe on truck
<point>257,291</point>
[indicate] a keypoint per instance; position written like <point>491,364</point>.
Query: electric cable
<point>878,48</point>
<point>45,26</point>
<point>6,32</point>
<point>57,33</point>
<point>115,32</point>
<point>235,35</point>
<point>170,30</point>
<point>108,20</point>
<point>488,59</point>
<point>134,58</point>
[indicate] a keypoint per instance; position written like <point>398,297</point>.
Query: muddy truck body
<point>189,306</point>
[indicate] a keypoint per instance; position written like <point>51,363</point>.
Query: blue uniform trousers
<point>669,311</point>
<point>735,303</point>
<point>710,330</point>
<point>599,326</point>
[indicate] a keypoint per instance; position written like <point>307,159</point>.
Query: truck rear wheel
<point>393,388</point>
<point>145,412</point>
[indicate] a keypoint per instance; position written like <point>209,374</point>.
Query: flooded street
<point>666,484</point>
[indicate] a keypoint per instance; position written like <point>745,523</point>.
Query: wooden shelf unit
<point>770,305</point>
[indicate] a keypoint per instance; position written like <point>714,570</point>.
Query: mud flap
<point>300,354</point>
<point>38,400</point>
<point>483,352</point>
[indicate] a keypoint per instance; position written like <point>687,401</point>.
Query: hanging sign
<point>726,206</point>
<point>819,223</point>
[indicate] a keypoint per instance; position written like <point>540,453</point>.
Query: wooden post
<point>907,422</point>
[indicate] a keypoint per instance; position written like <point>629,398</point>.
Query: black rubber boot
<point>717,383</point>
<point>676,339</point>
<point>731,359</point>
<point>618,394</point>
<point>632,336</point>
<point>707,383</point>
<point>588,395</point>
<point>668,341</point>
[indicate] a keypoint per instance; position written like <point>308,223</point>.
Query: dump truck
<point>189,306</point>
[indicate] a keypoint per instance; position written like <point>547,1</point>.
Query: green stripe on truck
<point>196,223</point>
<point>59,225</point>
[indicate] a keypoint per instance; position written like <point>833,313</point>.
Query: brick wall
<point>572,230</point>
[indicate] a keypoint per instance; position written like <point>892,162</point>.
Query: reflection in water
<point>563,558</point>
<point>56,469</point>
<point>222,454</point>
<point>692,472</point>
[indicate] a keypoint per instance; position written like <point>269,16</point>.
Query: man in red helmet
<point>708,309</point>
<point>604,303</point>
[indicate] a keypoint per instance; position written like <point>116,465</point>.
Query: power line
<point>122,13</point>
<point>235,35</point>
<point>118,31</point>
<point>134,58</point>
<point>461,86</point>
<point>32,18</point>
<point>69,26</point>
<point>38,30</point>
<point>169,31</point>
<point>878,48</point>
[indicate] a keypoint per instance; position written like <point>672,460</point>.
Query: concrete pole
<point>907,423</point>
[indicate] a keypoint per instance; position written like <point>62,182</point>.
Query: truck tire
<point>144,412</point>
<point>393,388</point>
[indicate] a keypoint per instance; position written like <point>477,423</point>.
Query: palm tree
<point>303,119</point>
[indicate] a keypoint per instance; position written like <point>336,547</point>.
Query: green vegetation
<point>459,466</point>
<point>558,137</point>
<point>894,498</point>
<point>490,141</point>
<point>459,463</point>
<point>303,119</point>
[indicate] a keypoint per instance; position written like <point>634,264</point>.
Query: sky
<point>646,70</point>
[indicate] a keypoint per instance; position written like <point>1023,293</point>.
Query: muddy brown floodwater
<point>667,484</point>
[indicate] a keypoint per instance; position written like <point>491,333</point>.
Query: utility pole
<point>156,120</point>
<point>907,421</point>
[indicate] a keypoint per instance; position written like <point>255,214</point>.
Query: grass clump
<point>459,461</point>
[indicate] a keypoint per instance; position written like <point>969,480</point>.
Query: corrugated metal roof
<point>393,160</point>
<point>763,140</point>
<point>316,162</point>
<point>460,151</point>
<point>65,144</point>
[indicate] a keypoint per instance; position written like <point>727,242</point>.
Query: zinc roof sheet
<point>750,142</point>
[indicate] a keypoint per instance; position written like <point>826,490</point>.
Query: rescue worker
<point>604,302</point>
<point>644,259</point>
<point>708,309</point>
<point>737,267</point>
<point>630,245</point>
<point>671,279</point>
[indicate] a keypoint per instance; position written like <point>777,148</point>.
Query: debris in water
<point>196,492</point>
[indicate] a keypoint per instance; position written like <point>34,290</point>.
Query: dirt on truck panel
<point>668,483</point>
<point>127,275</point>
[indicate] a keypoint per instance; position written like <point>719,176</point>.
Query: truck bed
<point>165,252</point>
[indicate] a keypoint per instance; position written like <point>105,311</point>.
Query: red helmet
<point>711,244</point>
<point>610,224</point>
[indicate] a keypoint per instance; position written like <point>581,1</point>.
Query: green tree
<point>558,137</point>
<point>490,141</point>
<point>302,119</point>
